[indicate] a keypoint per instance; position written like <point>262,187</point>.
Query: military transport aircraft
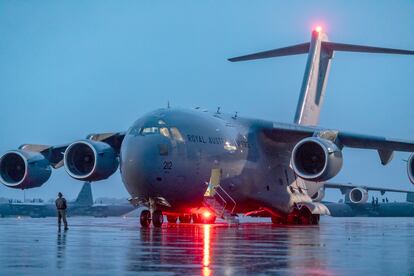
<point>355,194</point>
<point>357,202</point>
<point>192,164</point>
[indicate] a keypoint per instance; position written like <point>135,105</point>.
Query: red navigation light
<point>318,29</point>
<point>206,214</point>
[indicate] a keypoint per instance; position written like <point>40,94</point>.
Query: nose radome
<point>141,161</point>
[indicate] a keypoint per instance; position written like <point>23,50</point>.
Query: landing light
<point>206,214</point>
<point>318,29</point>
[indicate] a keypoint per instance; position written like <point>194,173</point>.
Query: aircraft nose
<point>141,160</point>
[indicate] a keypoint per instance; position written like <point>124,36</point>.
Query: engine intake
<point>358,195</point>
<point>90,160</point>
<point>319,195</point>
<point>410,168</point>
<point>316,159</point>
<point>24,170</point>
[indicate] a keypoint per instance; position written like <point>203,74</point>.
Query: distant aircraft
<point>82,206</point>
<point>198,164</point>
<point>356,194</point>
<point>358,203</point>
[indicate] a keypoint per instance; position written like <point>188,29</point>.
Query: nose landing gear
<point>157,218</point>
<point>153,215</point>
<point>145,218</point>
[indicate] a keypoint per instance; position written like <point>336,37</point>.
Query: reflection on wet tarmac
<point>60,250</point>
<point>120,246</point>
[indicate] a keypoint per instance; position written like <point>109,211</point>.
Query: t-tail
<point>85,196</point>
<point>320,53</point>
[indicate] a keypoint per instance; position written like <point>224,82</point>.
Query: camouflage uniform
<point>61,209</point>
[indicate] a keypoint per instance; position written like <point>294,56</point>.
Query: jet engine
<point>319,195</point>
<point>358,195</point>
<point>316,159</point>
<point>21,169</point>
<point>410,168</point>
<point>90,160</point>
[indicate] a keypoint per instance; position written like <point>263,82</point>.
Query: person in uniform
<point>61,207</point>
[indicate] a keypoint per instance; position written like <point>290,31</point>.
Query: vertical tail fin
<point>320,53</point>
<point>314,82</point>
<point>85,195</point>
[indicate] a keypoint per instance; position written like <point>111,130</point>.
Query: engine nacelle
<point>316,159</point>
<point>90,160</point>
<point>357,195</point>
<point>21,169</point>
<point>319,195</point>
<point>410,168</point>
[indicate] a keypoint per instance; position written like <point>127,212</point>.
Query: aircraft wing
<point>340,186</point>
<point>292,133</point>
<point>54,154</point>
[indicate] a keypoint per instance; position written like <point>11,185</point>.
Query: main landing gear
<point>297,217</point>
<point>157,218</point>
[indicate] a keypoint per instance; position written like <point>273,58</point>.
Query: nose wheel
<point>157,218</point>
<point>145,218</point>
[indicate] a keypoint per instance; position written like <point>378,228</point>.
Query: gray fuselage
<point>170,154</point>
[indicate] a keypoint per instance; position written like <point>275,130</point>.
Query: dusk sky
<point>70,68</point>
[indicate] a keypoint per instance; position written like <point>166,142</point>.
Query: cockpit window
<point>134,131</point>
<point>172,133</point>
<point>149,130</point>
<point>164,132</point>
<point>176,134</point>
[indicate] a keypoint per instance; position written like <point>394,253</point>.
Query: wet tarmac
<point>109,246</point>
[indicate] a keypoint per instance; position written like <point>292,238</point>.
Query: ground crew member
<point>61,210</point>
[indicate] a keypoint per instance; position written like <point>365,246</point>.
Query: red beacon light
<point>318,29</point>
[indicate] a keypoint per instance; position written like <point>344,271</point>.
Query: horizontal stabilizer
<point>328,46</point>
<point>364,49</point>
<point>286,51</point>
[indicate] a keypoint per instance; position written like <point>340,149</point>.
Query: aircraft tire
<point>145,218</point>
<point>211,220</point>
<point>306,220</point>
<point>172,219</point>
<point>157,218</point>
<point>277,220</point>
<point>196,218</point>
<point>315,219</point>
<point>185,219</point>
<point>292,220</point>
